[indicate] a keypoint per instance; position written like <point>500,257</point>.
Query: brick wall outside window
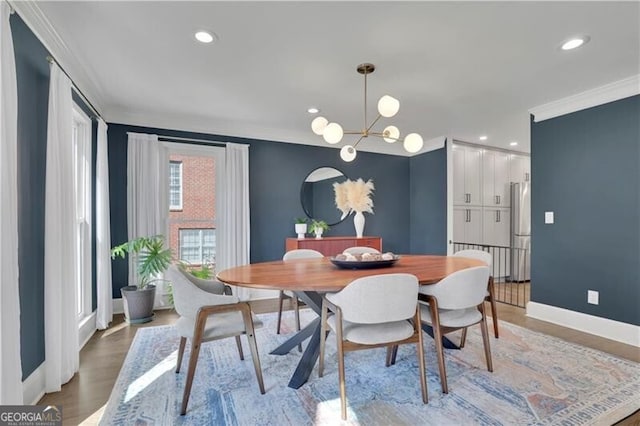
<point>198,198</point>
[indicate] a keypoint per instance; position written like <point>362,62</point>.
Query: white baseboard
<point>33,386</point>
<point>603,327</point>
<point>87,328</point>
<point>118,307</point>
<point>161,301</point>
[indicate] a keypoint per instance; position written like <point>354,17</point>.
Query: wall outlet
<point>593,297</point>
<point>548,217</point>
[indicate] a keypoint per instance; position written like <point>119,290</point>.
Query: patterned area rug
<point>538,379</point>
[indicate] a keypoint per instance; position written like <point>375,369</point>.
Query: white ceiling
<point>458,68</point>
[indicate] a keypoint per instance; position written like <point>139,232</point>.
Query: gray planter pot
<point>138,304</point>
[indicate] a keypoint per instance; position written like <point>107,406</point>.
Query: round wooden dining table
<point>310,278</point>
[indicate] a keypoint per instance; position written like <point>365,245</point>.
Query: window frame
<point>176,207</point>
<point>201,246</point>
<point>84,211</point>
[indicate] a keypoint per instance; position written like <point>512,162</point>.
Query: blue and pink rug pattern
<point>537,380</point>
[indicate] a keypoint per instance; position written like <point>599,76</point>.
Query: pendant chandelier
<point>388,106</point>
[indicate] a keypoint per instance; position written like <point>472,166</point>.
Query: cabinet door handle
<point>468,215</point>
<point>526,177</point>
<point>498,199</point>
<point>498,215</point>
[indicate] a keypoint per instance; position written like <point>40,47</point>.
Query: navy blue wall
<point>33,93</point>
<point>586,167</point>
<point>32,72</point>
<point>428,208</point>
<point>276,172</point>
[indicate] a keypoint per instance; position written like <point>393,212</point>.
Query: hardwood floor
<point>84,397</point>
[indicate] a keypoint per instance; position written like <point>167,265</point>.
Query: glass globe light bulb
<point>391,134</point>
<point>333,133</point>
<point>318,124</point>
<point>348,153</point>
<point>413,142</point>
<point>388,106</point>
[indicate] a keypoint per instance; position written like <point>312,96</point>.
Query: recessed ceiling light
<point>204,37</point>
<point>483,138</point>
<point>575,42</point>
<point>313,110</point>
<point>513,143</point>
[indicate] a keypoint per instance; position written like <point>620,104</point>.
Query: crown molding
<point>600,95</point>
<point>77,69</point>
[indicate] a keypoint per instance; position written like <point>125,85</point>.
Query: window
<point>175,185</point>
<point>198,246</point>
<point>81,138</point>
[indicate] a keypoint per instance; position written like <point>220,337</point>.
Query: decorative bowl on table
<point>364,260</point>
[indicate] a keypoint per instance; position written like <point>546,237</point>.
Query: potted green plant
<point>318,227</point>
<point>151,258</point>
<point>301,227</point>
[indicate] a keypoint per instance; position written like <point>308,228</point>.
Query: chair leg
<point>394,354</point>
<point>463,337</point>
<point>387,362</point>
<point>421,362</point>
<point>297,313</point>
<point>193,361</point>
<point>280,300</point>
<point>323,338</point>
<point>183,343</point>
<point>494,308</point>
<point>341,376</point>
<point>437,338</point>
<point>239,344</point>
<point>251,337</point>
<point>485,338</point>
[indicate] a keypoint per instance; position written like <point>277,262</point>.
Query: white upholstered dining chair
<point>370,312</point>
<point>205,317</point>
<point>290,255</point>
<point>490,296</point>
<point>456,302</point>
<point>360,250</point>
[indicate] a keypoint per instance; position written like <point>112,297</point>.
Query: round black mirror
<point>317,196</point>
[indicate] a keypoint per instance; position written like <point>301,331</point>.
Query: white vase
<point>301,229</point>
<point>318,233</point>
<point>358,222</point>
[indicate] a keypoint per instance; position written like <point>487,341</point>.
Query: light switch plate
<point>548,217</point>
<point>593,297</point>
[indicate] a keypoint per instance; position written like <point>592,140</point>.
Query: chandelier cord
<point>365,101</point>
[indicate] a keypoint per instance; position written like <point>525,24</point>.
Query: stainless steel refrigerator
<point>520,231</point>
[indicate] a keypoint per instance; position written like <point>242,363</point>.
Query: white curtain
<point>147,190</point>
<point>233,247</point>
<point>10,363</point>
<point>104,313</point>
<point>60,308</point>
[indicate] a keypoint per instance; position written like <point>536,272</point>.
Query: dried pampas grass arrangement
<point>354,196</point>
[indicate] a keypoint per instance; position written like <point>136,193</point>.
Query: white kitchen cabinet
<point>496,226</point>
<point>467,175</point>
<point>495,179</point>
<point>520,168</point>
<point>467,224</point>
<point>496,232</point>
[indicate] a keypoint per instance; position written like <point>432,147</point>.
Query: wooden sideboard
<point>330,246</point>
